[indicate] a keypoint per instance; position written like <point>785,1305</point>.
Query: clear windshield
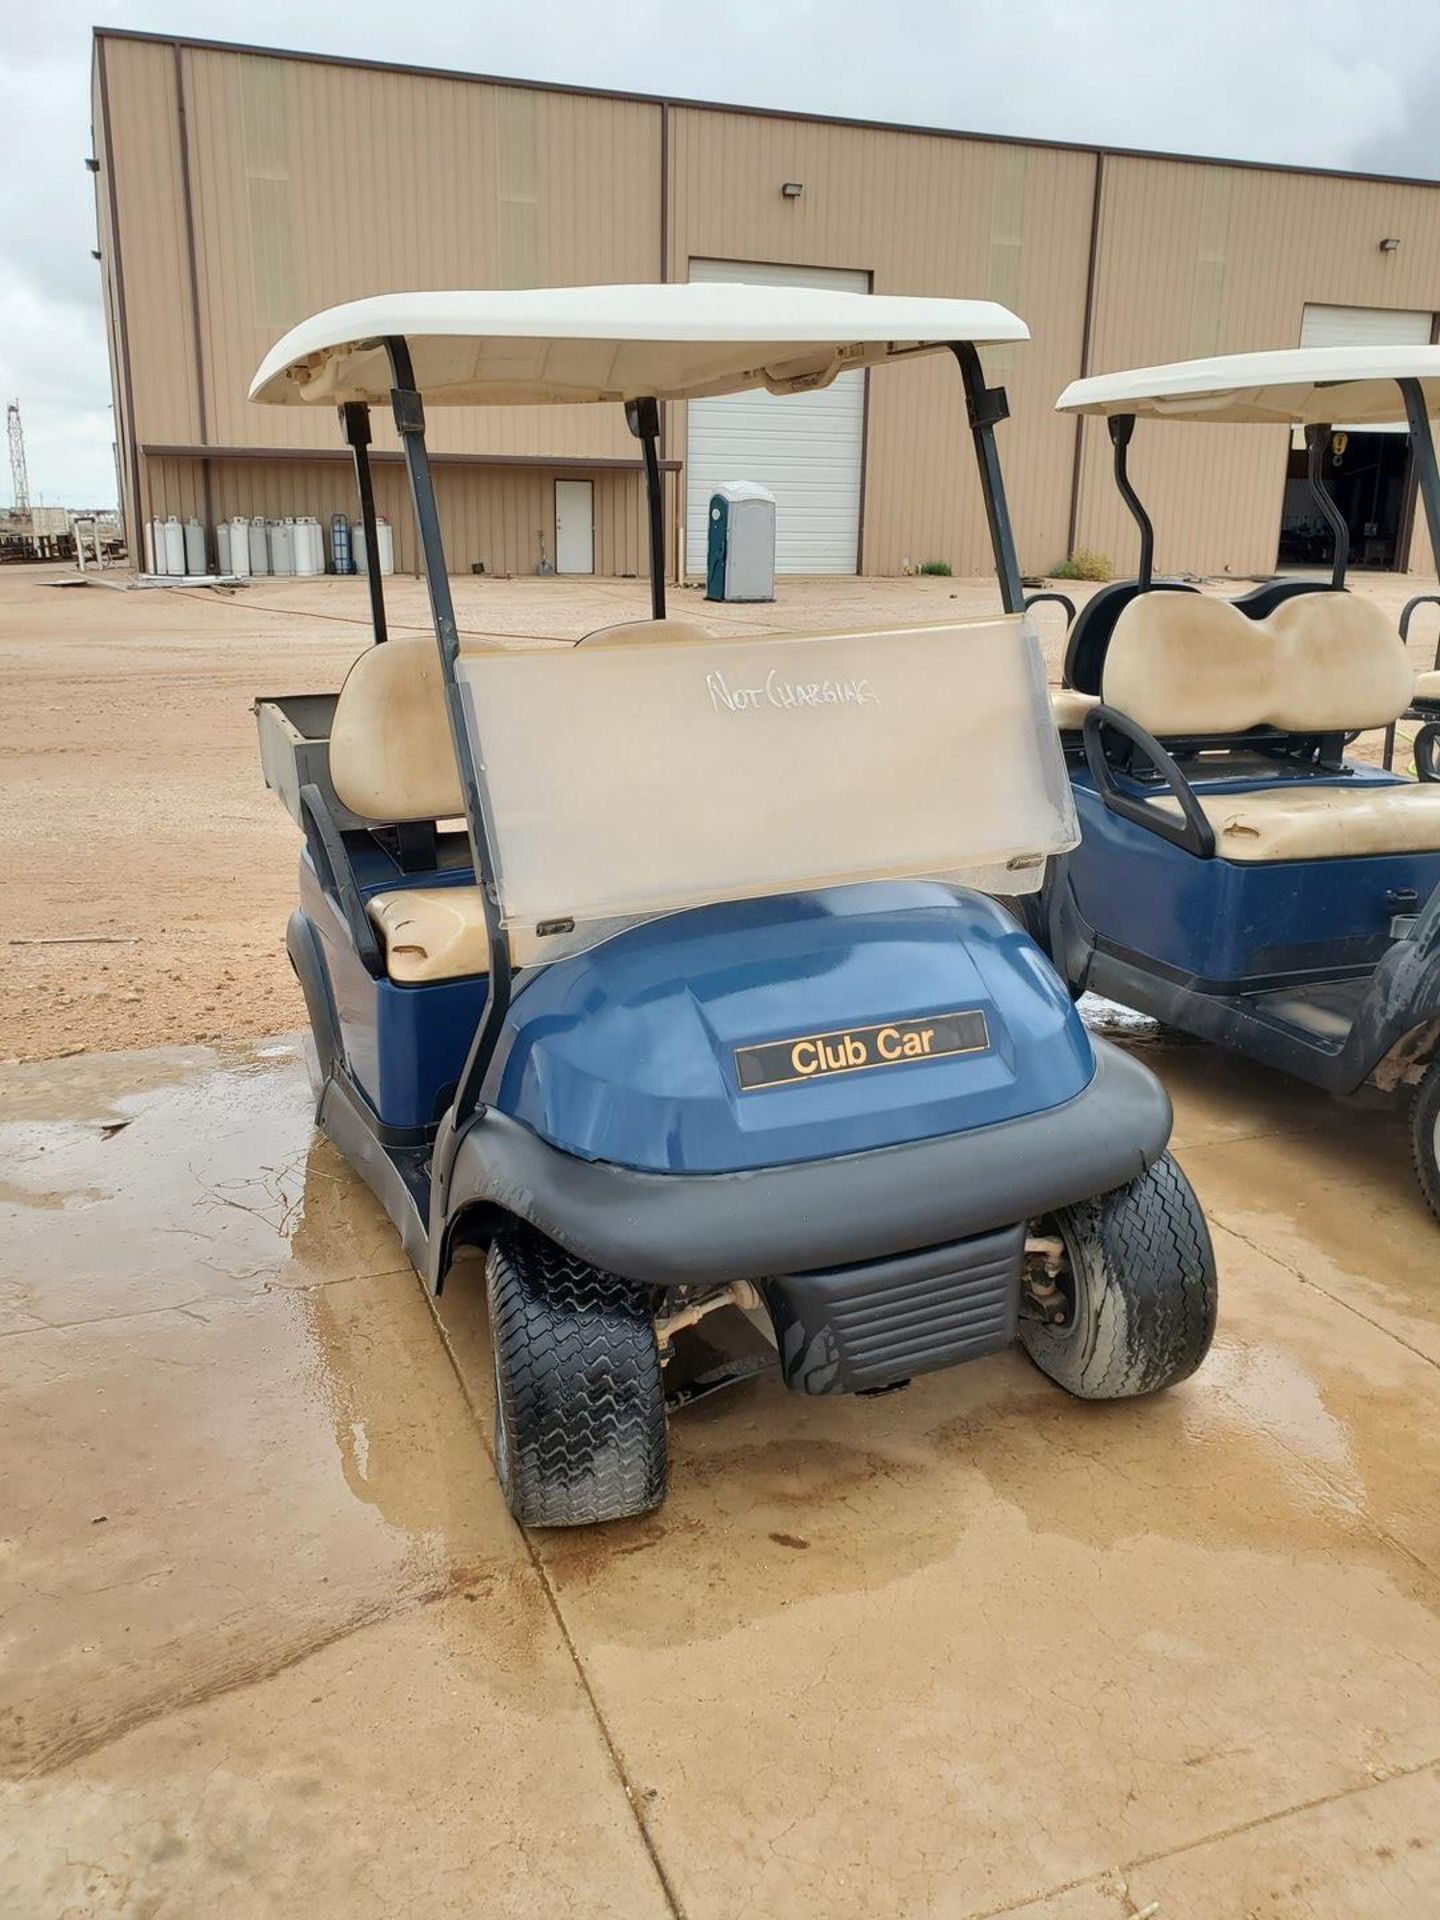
<point>626,781</point>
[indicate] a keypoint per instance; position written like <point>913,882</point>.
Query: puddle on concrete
<point>234,1434</point>
<point>191,1176</point>
<point>254,1443</point>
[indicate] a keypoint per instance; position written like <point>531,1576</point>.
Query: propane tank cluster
<point>249,548</point>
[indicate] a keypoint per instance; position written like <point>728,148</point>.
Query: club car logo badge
<point>818,1056</point>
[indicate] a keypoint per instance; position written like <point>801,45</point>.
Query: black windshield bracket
<point>643,419</point>
<point>985,407</point>
<point>1122,426</point>
<point>1316,437</point>
<point>410,419</point>
<point>355,425</point>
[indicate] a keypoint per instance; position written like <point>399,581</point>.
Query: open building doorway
<point>1367,474</point>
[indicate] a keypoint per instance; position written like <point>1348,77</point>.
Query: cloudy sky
<point>1321,82</point>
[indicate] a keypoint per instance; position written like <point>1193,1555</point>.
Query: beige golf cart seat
<point>1186,666</point>
<point>1070,707</point>
<point>392,759</point>
<point>1427,685</point>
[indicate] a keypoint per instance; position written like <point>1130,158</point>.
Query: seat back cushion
<point>1094,625</point>
<point>391,755</point>
<point>1186,664</point>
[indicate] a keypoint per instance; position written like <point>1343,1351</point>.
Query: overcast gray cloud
<point>1320,82</point>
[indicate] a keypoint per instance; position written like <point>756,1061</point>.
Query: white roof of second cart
<point>558,344</point>
<point>1291,386</point>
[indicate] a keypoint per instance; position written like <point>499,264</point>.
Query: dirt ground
<point>147,873</point>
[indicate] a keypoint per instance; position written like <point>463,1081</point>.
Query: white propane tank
<point>194,546</point>
<point>309,546</point>
<point>174,545</point>
<point>259,547</point>
<point>149,546</point>
<point>222,546</point>
<point>282,546</point>
<point>240,546</point>
<point>384,545</point>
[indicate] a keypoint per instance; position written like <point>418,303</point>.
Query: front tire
<point>1136,1290</point>
<point>1425,1135</point>
<point>579,1399</point>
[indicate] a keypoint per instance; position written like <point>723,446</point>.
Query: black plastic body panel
<point>854,1328</point>
<point>678,1230</point>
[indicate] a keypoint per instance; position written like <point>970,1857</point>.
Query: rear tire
<point>579,1400</point>
<point>1425,1135</point>
<point>1139,1290</point>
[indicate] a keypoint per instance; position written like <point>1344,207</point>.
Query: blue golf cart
<point>661,965</point>
<point>1240,875</point>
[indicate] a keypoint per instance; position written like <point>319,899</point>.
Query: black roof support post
<point>643,419</point>
<point>1121,426</point>
<point>1315,438</point>
<point>985,407</point>
<point>1422,452</point>
<point>355,424</point>
<point>410,420</point>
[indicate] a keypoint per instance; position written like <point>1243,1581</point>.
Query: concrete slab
<point>969,1650</point>
<point>441,1762</point>
<point>266,1619</point>
<point>1324,1186</point>
<point>1372,1853</point>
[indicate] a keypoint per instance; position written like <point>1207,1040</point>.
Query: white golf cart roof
<point>1294,386</point>
<point>559,344</point>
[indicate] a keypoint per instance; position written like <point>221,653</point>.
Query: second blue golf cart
<point>1242,875</point>
<point>661,965</point>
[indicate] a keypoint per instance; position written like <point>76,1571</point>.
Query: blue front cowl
<point>627,1053</point>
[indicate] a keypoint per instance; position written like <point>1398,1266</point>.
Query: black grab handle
<point>1057,599</point>
<point>1194,832</point>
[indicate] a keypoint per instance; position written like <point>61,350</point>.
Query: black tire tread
<point>578,1370</point>
<point>1146,1291</point>
<point>1424,1113</point>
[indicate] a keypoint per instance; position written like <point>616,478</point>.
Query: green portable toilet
<point>740,556</point>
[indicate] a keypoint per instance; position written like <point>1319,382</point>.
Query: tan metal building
<point>240,189</point>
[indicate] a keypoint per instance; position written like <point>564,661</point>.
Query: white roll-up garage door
<point>806,448</point>
<point>1364,327</point>
<point>1323,326</point>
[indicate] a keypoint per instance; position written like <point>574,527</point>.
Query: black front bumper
<point>852,1329</point>
<point>809,1217</point>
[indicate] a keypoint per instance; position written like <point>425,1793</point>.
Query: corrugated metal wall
<point>317,184</point>
<point>921,215</point>
<point>311,183</point>
<point>1200,258</point>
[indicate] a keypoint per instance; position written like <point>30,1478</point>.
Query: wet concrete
<point>273,1646</point>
